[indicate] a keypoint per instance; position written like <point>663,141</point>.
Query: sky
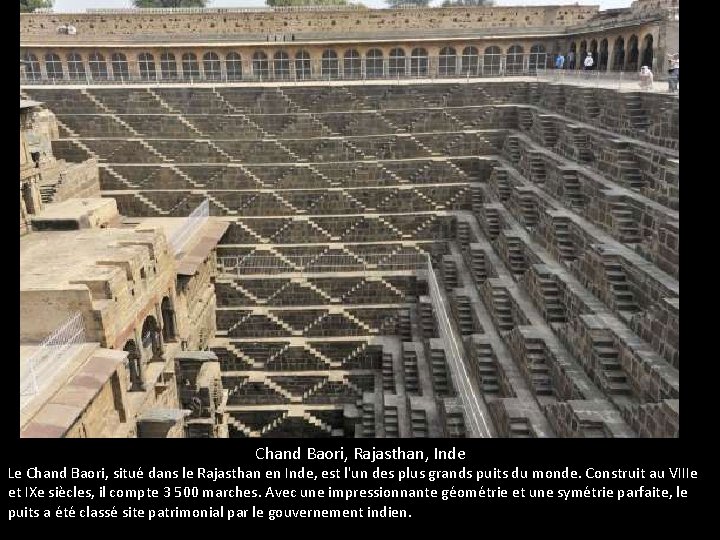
<point>81,5</point>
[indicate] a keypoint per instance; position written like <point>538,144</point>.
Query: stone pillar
<point>611,55</point>
<point>43,67</point>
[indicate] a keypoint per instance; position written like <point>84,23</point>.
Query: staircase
<point>488,376</point>
<point>410,367</point>
<point>388,373</point>
<point>623,298</point>
<point>537,368</point>
<point>528,209</point>
<point>572,189</point>
<point>636,115</point>
<point>501,182</point>
<point>515,255</point>
<point>519,428</point>
<point>629,173</point>
<point>624,222</point>
<point>537,172</point>
<point>464,315</point>
<point>608,369</point>
<point>440,375</point>
<point>428,325</point>
<point>449,273</point>
<point>563,239</point>
<point>553,307</point>
<point>368,420</point>
<point>502,310</point>
<point>478,266</point>
<point>463,235</point>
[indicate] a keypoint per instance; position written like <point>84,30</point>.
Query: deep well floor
<point>550,214</point>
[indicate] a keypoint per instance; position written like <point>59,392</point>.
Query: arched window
<point>633,54</point>
<point>374,64</point>
<point>211,66</point>
<point>514,61</point>
<point>168,66</point>
<point>582,54</point>
<point>603,60</point>
<point>491,61</point>
<point>32,67</point>
<point>151,341</point>
<point>418,62</point>
<point>647,56</point>
<point>396,64</point>
<point>190,66</point>
<point>447,61</point>
<point>281,65</point>
<point>594,52</point>
<point>134,367</point>
<point>120,66</point>
<point>302,65</point>
<point>168,319</point>
<point>352,64</point>
<point>261,66</point>
<point>618,62</point>
<point>329,66</point>
<point>470,60</point>
<point>572,56</point>
<point>233,66</point>
<point>76,68</point>
<point>53,66</point>
<point>147,66</point>
<point>98,66</point>
<point>538,57</point>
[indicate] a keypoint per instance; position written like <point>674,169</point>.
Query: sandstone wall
<point>337,21</point>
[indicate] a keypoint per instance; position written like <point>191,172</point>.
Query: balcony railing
<point>271,69</point>
<point>51,356</point>
<point>190,226</point>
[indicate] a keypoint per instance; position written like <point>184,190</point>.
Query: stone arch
<point>447,61</point>
<point>32,67</point>
<point>374,64</point>
<point>572,56</point>
<point>120,66</point>
<point>150,336</point>
<point>418,62</point>
<point>169,331</point>
<point>53,66</point>
<point>281,65</point>
<point>603,56</point>
<point>648,53</point>
<point>538,57</point>
<point>302,65</point>
<point>582,53</point>
<point>190,66</point>
<point>98,66</point>
<point>233,66</point>
<point>396,61</point>
<point>470,60</point>
<point>168,66</point>
<point>134,366</point>
<point>618,61</point>
<point>594,52</point>
<point>330,66</point>
<point>75,66</point>
<point>633,54</point>
<point>491,60</point>
<point>146,62</point>
<point>352,64</point>
<point>211,66</point>
<point>260,65</point>
<point>514,59</point>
